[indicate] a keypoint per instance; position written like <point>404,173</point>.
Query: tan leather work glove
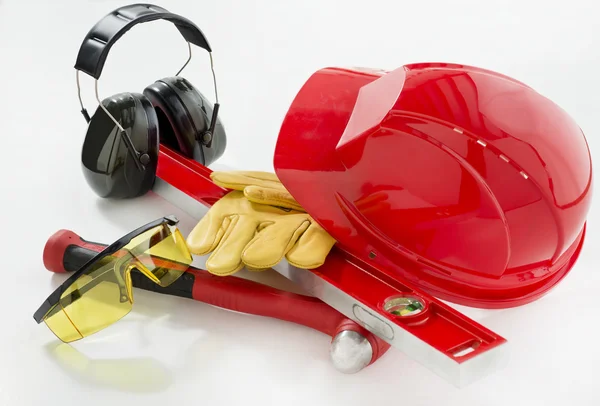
<point>257,225</point>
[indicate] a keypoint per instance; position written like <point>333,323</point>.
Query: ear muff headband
<point>99,40</point>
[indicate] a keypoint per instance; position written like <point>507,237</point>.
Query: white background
<point>176,351</point>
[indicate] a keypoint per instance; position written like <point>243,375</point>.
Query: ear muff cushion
<point>179,109</point>
<point>110,170</point>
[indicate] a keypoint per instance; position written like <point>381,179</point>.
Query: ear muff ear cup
<point>108,165</point>
<point>184,116</point>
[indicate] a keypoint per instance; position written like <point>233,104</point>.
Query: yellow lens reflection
<point>144,375</point>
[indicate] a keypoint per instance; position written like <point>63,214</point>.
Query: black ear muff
<point>184,116</point>
<point>120,151</point>
<point>116,163</point>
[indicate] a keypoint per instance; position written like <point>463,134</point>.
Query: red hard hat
<point>466,182</point>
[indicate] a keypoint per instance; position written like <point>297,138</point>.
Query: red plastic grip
<point>237,294</point>
<point>246,296</point>
<point>56,246</point>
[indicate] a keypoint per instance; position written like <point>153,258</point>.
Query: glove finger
<point>259,187</point>
<point>238,180</point>
<point>207,234</point>
<point>312,248</point>
<point>272,197</point>
<point>271,244</point>
<point>227,257</point>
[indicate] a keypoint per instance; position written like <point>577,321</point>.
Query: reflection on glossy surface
<point>480,182</point>
<point>130,375</point>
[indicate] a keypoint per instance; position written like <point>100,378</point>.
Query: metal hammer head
<point>350,352</point>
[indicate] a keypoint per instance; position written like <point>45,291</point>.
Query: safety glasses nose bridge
<point>120,267</point>
<point>132,261</point>
<point>135,263</point>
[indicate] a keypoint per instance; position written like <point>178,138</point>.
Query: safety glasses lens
<point>103,294</point>
<point>95,300</point>
<point>163,256</point>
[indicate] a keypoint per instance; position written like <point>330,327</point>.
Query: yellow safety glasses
<point>100,292</point>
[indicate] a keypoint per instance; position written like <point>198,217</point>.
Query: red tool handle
<point>66,251</point>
